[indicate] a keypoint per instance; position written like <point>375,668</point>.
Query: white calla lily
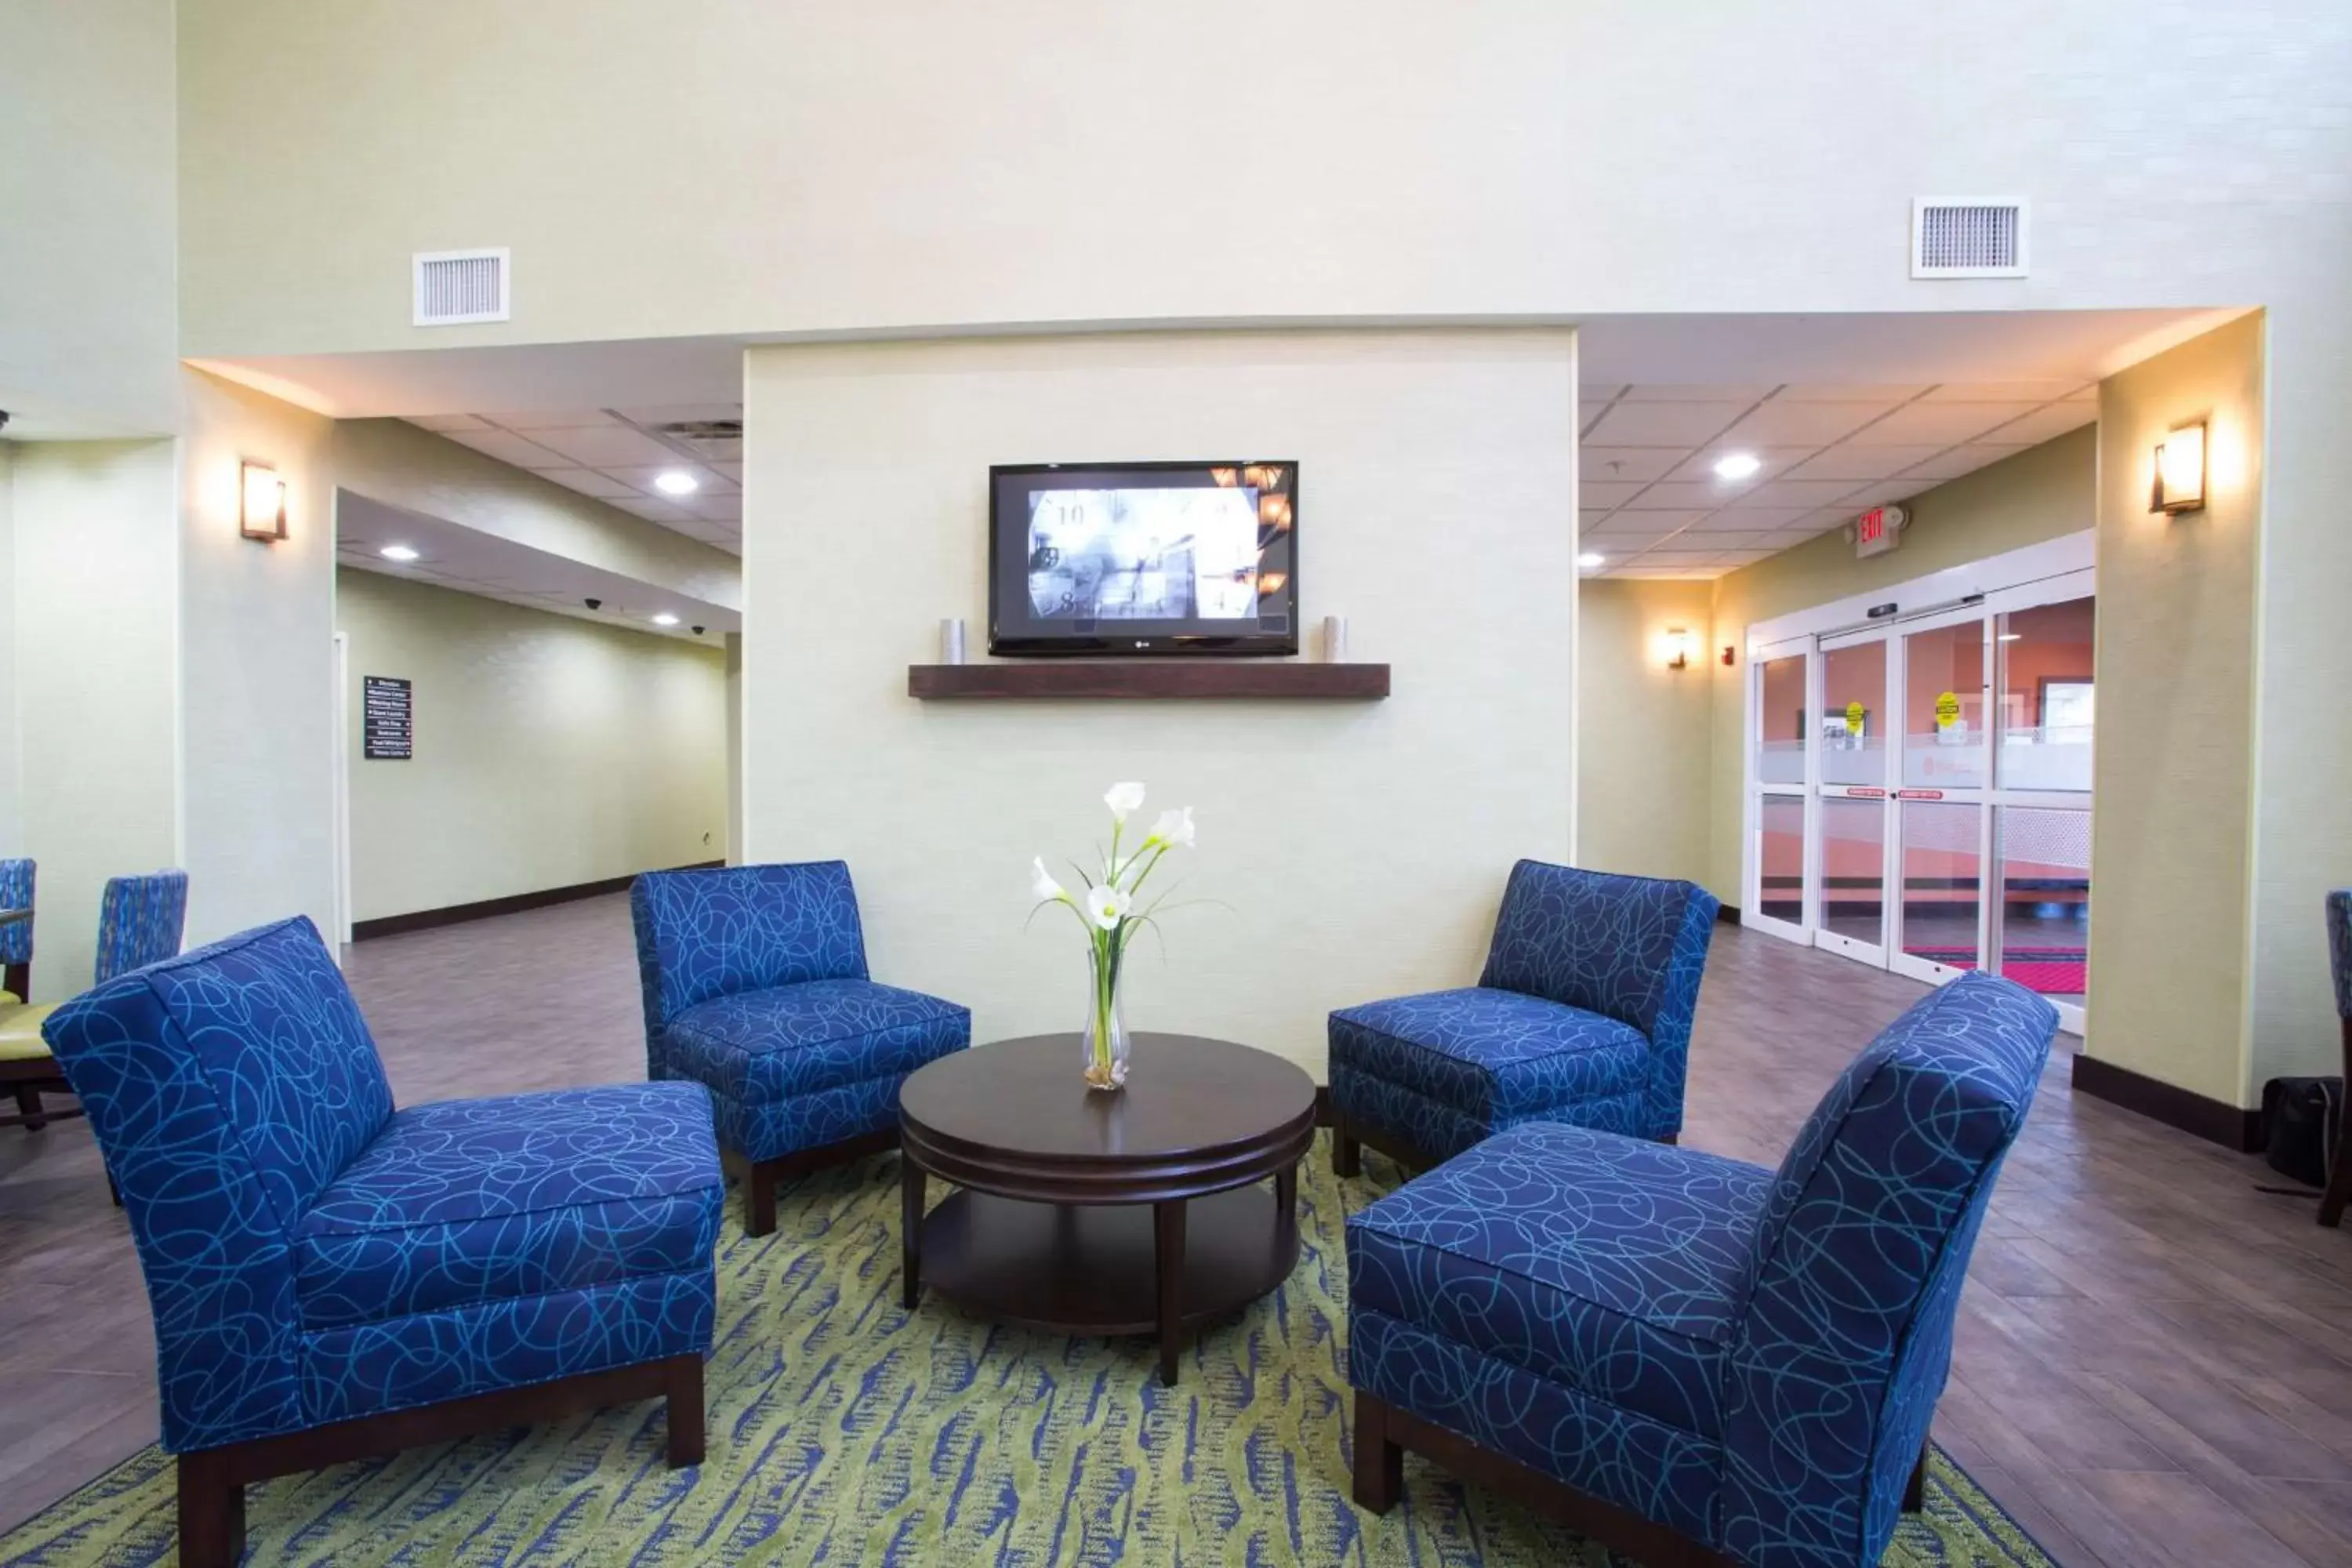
<point>1124,800</point>
<point>1174,830</point>
<point>1042,885</point>
<point>1106,905</point>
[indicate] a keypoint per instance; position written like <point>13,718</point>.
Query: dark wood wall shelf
<point>1277,680</point>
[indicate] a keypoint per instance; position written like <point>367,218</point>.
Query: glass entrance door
<point>1780,805</point>
<point>1939,798</point>
<point>1851,860</point>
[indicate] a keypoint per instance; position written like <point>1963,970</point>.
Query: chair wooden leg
<point>1915,1490</point>
<point>760,1199</point>
<point>28,1104</point>
<point>1379,1462</point>
<point>212,1512</point>
<point>1346,1154</point>
<point>683,1409</point>
<point>2339,1178</point>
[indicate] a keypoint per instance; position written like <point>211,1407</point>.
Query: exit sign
<point>1878,530</point>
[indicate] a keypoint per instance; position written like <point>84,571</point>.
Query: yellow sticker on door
<point>1948,707</point>
<point>1854,716</point>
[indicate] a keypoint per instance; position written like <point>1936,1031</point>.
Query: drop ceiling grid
<point>613,456</point>
<point>1650,505</point>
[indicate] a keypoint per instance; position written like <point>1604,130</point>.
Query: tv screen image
<point>1143,558</point>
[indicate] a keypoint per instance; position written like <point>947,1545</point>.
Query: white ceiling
<point>613,455</point>
<point>1653,506</point>
<point>472,562</point>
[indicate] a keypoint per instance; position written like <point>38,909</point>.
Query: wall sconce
<point>2180,472</point>
<point>261,511</point>
<point>1678,648</point>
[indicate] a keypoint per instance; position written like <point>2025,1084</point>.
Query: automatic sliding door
<point>1780,821</point>
<point>1851,858</point>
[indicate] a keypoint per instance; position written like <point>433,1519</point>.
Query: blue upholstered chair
<point>16,937</point>
<point>1697,1359</point>
<point>2339,959</point>
<point>333,1279</point>
<point>140,921</point>
<point>1583,1015</point>
<point>755,986</point>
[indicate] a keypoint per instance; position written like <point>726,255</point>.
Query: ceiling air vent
<point>454,287</point>
<point>1973,238</point>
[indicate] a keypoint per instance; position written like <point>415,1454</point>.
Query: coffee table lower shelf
<point>1070,1268</point>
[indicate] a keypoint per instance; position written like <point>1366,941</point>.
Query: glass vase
<point>1105,1036</point>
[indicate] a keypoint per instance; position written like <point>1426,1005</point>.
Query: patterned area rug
<point>843,1431</point>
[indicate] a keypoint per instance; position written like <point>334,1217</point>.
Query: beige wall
<point>1357,849</point>
<point>394,462</point>
<point>2172,835</point>
<point>549,751</point>
<point>1645,731</point>
<point>12,746</point>
<point>89,323</point>
<point>96,614</point>
<point>2041,493</point>
<point>872,168</point>
<point>256,627</point>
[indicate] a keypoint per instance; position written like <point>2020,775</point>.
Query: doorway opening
<point>1919,790</point>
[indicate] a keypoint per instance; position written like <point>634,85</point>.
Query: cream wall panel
<point>89,321</point>
<point>2041,493</point>
<point>12,742</point>
<point>549,751</point>
<point>2172,835</point>
<point>97,651</point>
<point>1358,850</point>
<point>256,627</point>
<point>1644,730</point>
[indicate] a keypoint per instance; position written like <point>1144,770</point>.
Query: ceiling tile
<point>1779,424</point>
<point>2001,391</point>
<point>1646,392</point>
<point>1592,394</point>
<point>1939,424</point>
<point>1679,557</point>
<point>608,447</point>
<point>553,419</point>
<point>446,422</point>
<point>732,470</point>
<point>1626,462</point>
<point>1858,463</point>
<point>1959,461</point>
<point>1647,522</point>
<point>1685,494</point>
<point>706,481</point>
<point>1903,487</point>
<point>1683,424</point>
<point>588,482</point>
<point>508,448</point>
<point>1807,493</point>
<point>1601,497</point>
<point>1756,516</point>
<point>682,413</point>
<point>1713,539</point>
<point>718,509</point>
<point>2045,423</point>
<point>1848,393</point>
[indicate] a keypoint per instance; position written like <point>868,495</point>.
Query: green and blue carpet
<point>843,1431</point>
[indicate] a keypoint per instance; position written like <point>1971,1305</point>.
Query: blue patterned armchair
<point>140,921</point>
<point>1700,1359</point>
<point>16,879</point>
<point>332,1279</point>
<point>755,986</point>
<point>1583,1015</point>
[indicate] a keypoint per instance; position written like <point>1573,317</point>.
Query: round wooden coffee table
<point>1081,1212</point>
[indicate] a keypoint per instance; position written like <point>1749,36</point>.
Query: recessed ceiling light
<point>1589,560</point>
<point>665,619</point>
<point>397,552</point>
<point>1737,465</point>
<point>676,483</point>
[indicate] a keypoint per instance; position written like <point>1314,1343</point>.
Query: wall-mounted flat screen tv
<point>1107,559</point>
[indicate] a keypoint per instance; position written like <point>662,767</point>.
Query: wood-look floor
<point>2153,1366</point>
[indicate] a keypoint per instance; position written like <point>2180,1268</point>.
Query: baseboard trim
<point>2230,1126</point>
<point>1322,1105</point>
<point>1727,914</point>
<point>512,904</point>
